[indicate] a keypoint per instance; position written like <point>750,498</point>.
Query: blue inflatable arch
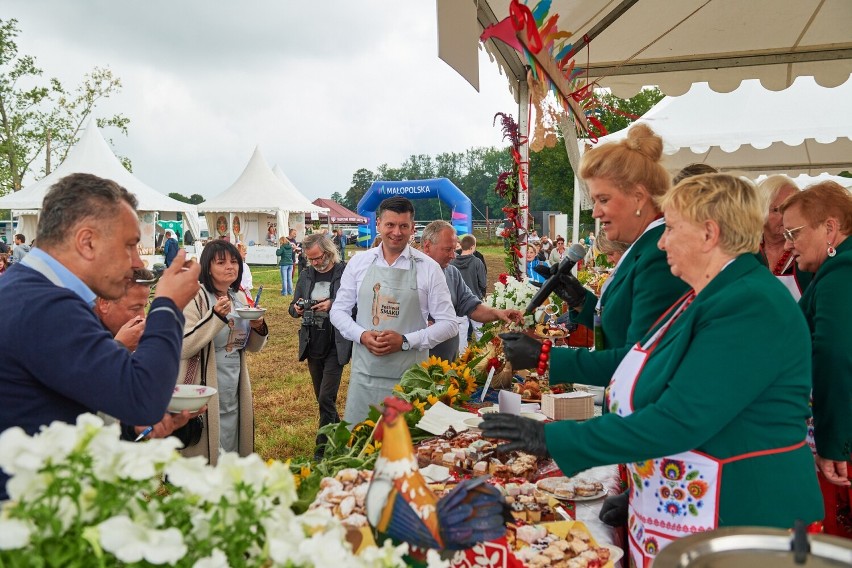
<point>442,188</point>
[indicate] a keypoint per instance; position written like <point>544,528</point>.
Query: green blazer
<point>730,377</point>
<point>639,292</point>
<point>827,305</point>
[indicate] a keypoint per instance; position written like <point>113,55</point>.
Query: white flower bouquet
<point>79,496</point>
<point>511,293</point>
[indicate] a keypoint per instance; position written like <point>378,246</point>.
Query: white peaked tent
<point>93,155</point>
<point>256,200</point>
<point>803,129</point>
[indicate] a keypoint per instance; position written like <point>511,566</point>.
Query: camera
<point>310,318</point>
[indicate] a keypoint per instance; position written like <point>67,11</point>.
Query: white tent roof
<point>92,155</point>
<point>632,43</point>
<point>259,190</point>
<point>802,180</point>
<point>803,129</point>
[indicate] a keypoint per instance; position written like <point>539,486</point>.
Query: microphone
<point>574,254</point>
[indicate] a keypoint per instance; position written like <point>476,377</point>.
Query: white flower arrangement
<point>80,496</point>
<point>513,295</point>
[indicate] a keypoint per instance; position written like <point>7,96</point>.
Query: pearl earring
<point>831,250</point>
<point>638,212</point>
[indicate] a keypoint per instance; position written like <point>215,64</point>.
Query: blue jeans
<point>286,279</point>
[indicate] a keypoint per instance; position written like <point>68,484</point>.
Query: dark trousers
<point>326,373</point>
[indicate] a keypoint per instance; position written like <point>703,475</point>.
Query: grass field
<point>286,416</point>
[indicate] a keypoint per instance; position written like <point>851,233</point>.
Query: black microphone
<point>573,255</point>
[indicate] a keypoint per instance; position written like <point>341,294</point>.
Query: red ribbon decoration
<point>522,17</point>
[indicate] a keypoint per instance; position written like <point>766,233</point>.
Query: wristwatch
<point>405,344</point>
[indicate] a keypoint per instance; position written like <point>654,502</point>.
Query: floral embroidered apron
<point>673,496</point>
<point>387,299</point>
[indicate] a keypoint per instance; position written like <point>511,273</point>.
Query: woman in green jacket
<point>712,435</point>
<point>773,253</point>
<point>285,265</point>
<point>624,178</point>
<point>817,223</point>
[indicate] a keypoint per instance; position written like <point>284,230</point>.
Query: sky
<point>324,88</point>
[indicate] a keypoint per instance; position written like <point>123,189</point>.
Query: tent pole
<point>523,173</point>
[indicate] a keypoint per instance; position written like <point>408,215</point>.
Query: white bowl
<point>190,397</point>
<point>251,313</point>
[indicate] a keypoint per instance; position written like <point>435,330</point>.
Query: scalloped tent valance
<point>803,129</point>
<point>672,44</point>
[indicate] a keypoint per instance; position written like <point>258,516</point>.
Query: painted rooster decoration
<point>401,505</point>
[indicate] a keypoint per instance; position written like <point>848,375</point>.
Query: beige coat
<point>200,329</point>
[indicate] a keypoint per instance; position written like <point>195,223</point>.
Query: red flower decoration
<point>503,278</point>
<point>697,488</point>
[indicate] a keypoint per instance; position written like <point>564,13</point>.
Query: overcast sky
<point>324,88</point>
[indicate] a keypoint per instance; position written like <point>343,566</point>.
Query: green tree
<point>617,114</point>
<point>361,181</point>
<point>336,197</point>
<point>194,199</point>
<point>34,111</point>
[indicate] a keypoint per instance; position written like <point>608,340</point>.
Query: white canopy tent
<point>803,129</point>
<point>803,180</point>
<point>627,44</point>
<point>624,45</point>
<point>93,155</point>
<point>257,200</point>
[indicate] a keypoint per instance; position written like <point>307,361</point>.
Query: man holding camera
<point>319,342</point>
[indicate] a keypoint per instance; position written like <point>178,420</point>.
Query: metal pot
<point>755,547</point>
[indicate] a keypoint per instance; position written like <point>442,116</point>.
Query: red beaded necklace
<point>546,346</point>
<point>778,270</point>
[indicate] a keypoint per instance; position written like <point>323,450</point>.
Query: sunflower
<point>419,405</point>
<point>434,363</point>
<point>449,397</point>
<point>432,399</point>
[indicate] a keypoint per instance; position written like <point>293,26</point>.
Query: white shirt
<point>246,282</point>
<point>431,289</point>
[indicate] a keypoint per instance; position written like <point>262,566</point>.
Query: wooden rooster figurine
<point>401,505</point>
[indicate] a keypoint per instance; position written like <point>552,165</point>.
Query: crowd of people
<point>722,331</point>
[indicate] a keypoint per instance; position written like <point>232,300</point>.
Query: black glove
<point>570,290</point>
<point>614,510</point>
<point>521,350</point>
<point>524,434</point>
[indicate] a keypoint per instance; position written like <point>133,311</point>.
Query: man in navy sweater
<point>58,361</point>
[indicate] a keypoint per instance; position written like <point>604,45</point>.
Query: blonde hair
<point>283,241</point>
<point>768,189</point>
<point>822,200</point>
<point>630,162</point>
<point>731,202</point>
<point>606,246</point>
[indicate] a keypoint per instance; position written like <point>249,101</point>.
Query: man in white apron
<point>395,288</point>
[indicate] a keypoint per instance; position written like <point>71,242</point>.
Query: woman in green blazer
<point>624,178</point>
<point>773,254</point>
<point>712,435</point>
<point>817,223</point>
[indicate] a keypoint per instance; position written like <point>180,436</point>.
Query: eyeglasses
<point>791,234</point>
<point>316,258</point>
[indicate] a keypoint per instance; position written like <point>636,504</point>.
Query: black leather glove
<point>524,434</point>
<point>570,290</point>
<point>614,510</point>
<point>521,350</point>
